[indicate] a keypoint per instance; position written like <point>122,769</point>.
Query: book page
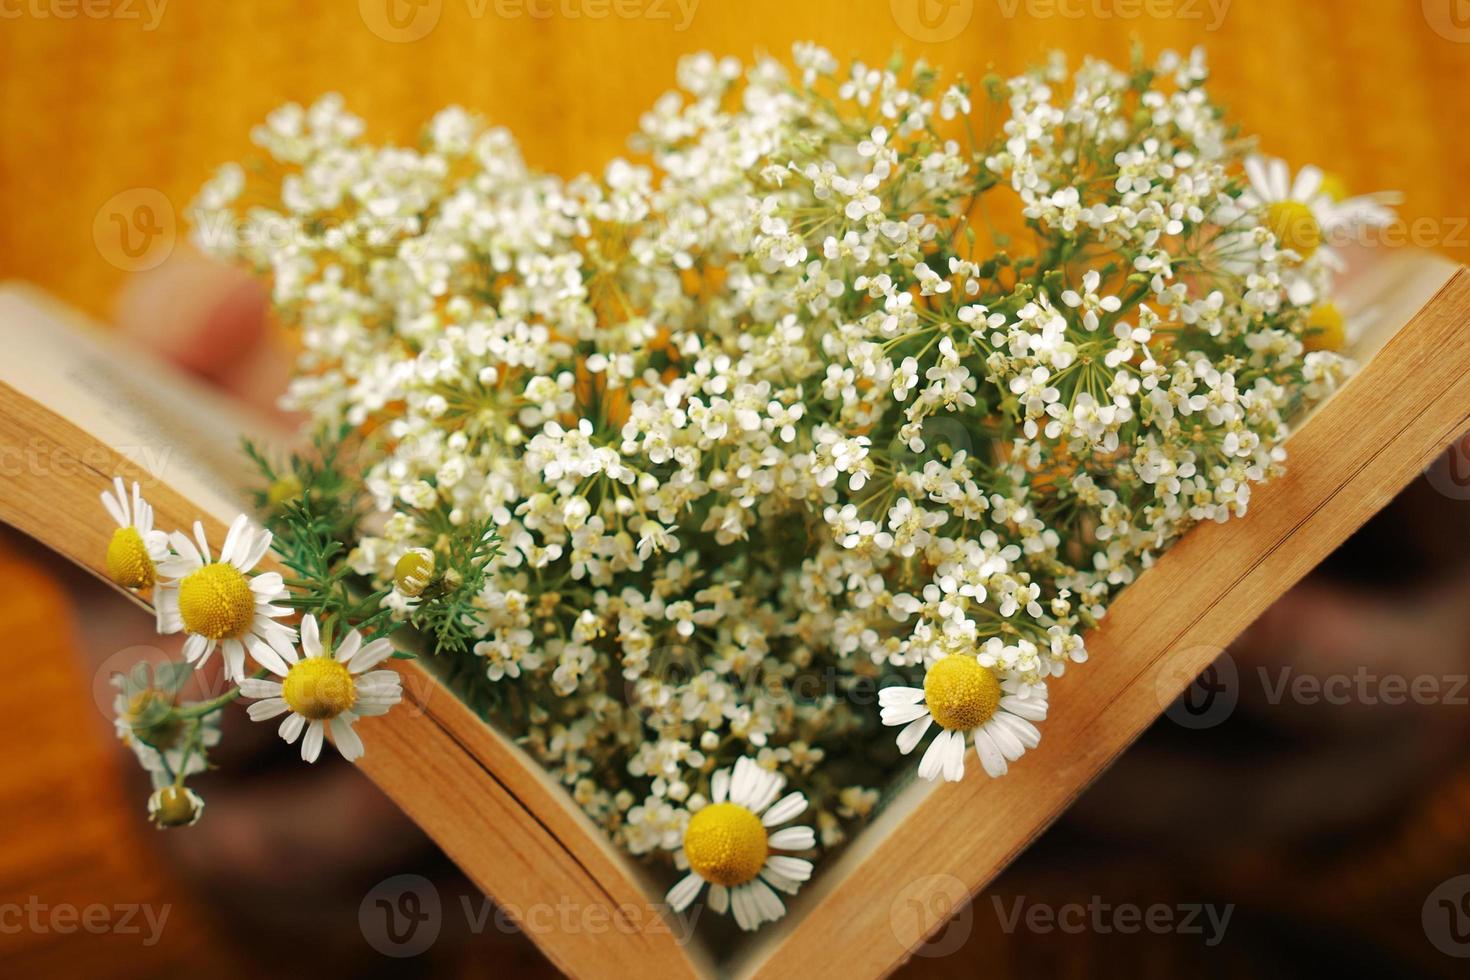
<point>174,428</point>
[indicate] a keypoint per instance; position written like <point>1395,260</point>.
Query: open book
<point>75,410</point>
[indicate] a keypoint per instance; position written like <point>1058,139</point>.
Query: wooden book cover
<point>76,409</point>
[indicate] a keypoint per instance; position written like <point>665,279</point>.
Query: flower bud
<point>175,806</point>
<point>283,491</point>
<point>413,572</point>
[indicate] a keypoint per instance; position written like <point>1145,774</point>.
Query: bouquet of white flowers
<point>694,476</point>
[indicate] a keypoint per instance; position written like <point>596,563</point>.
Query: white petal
<point>371,655</point>
<point>908,739</point>
<point>1010,746</point>
<point>114,508</point>
<point>744,783</point>
<point>238,527</point>
<point>1255,169</point>
<point>932,764</point>
<point>797,869</point>
<point>768,904</point>
<point>793,839</point>
<point>1032,709</point>
<point>203,542</point>
<point>252,687</point>
<point>188,554</point>
<point>686,890</point>
<point>166,609</point>
<point>234,652</point>
<point>290,729</point>
<point>1280,176</point>
<point>311,637</point>
<point>349,646</point>
<point>196,647</point>
<point>791,806</point>
<point>990,757</point>
<point>348,742</point>
<point>267,709</point>
<point>740,902</point>
<point>1308,182</point>
<point>1028,734</point>
<point>900,695</point>
<point>311,745</point>
<point>902,714</point>
<point>779,881</point>
<point>954,758</point>
<point>258,547</point>
<point>267,585</point>
<point>719,899</point>
<point>265,656</point>
<point>156,543</point>
<point>719,785</point>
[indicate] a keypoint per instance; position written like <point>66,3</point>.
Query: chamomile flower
<point>1301,212</point>
<point>964,697</point>
<point>729,843</point>
<point>324,691</point>
<point>136,548</point>
<point>219,604</point>
<point>143,722</point>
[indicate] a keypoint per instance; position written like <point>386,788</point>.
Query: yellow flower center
<point>961,694</point>
<point>128,563</point>
<point>726,844</point>
<point>1334,187</point>
<point>319,688</point>
<point>1326,329</point>
<point>216,602</point>
<point>1295,227</point>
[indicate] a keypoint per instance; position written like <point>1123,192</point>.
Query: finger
<point>209,319</point>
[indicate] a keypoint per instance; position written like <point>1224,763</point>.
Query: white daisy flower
<point>728,845</point>
<point>136,548</point>
<point>218,605</point>
<point>1300,210</point>
<point>322,691</point>
<point>141,722</point>
<point>965,697</point>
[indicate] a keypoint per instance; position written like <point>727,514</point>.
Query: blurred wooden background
<point>151,98</point>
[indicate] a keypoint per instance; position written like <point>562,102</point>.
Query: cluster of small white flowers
<point>766,418</point>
